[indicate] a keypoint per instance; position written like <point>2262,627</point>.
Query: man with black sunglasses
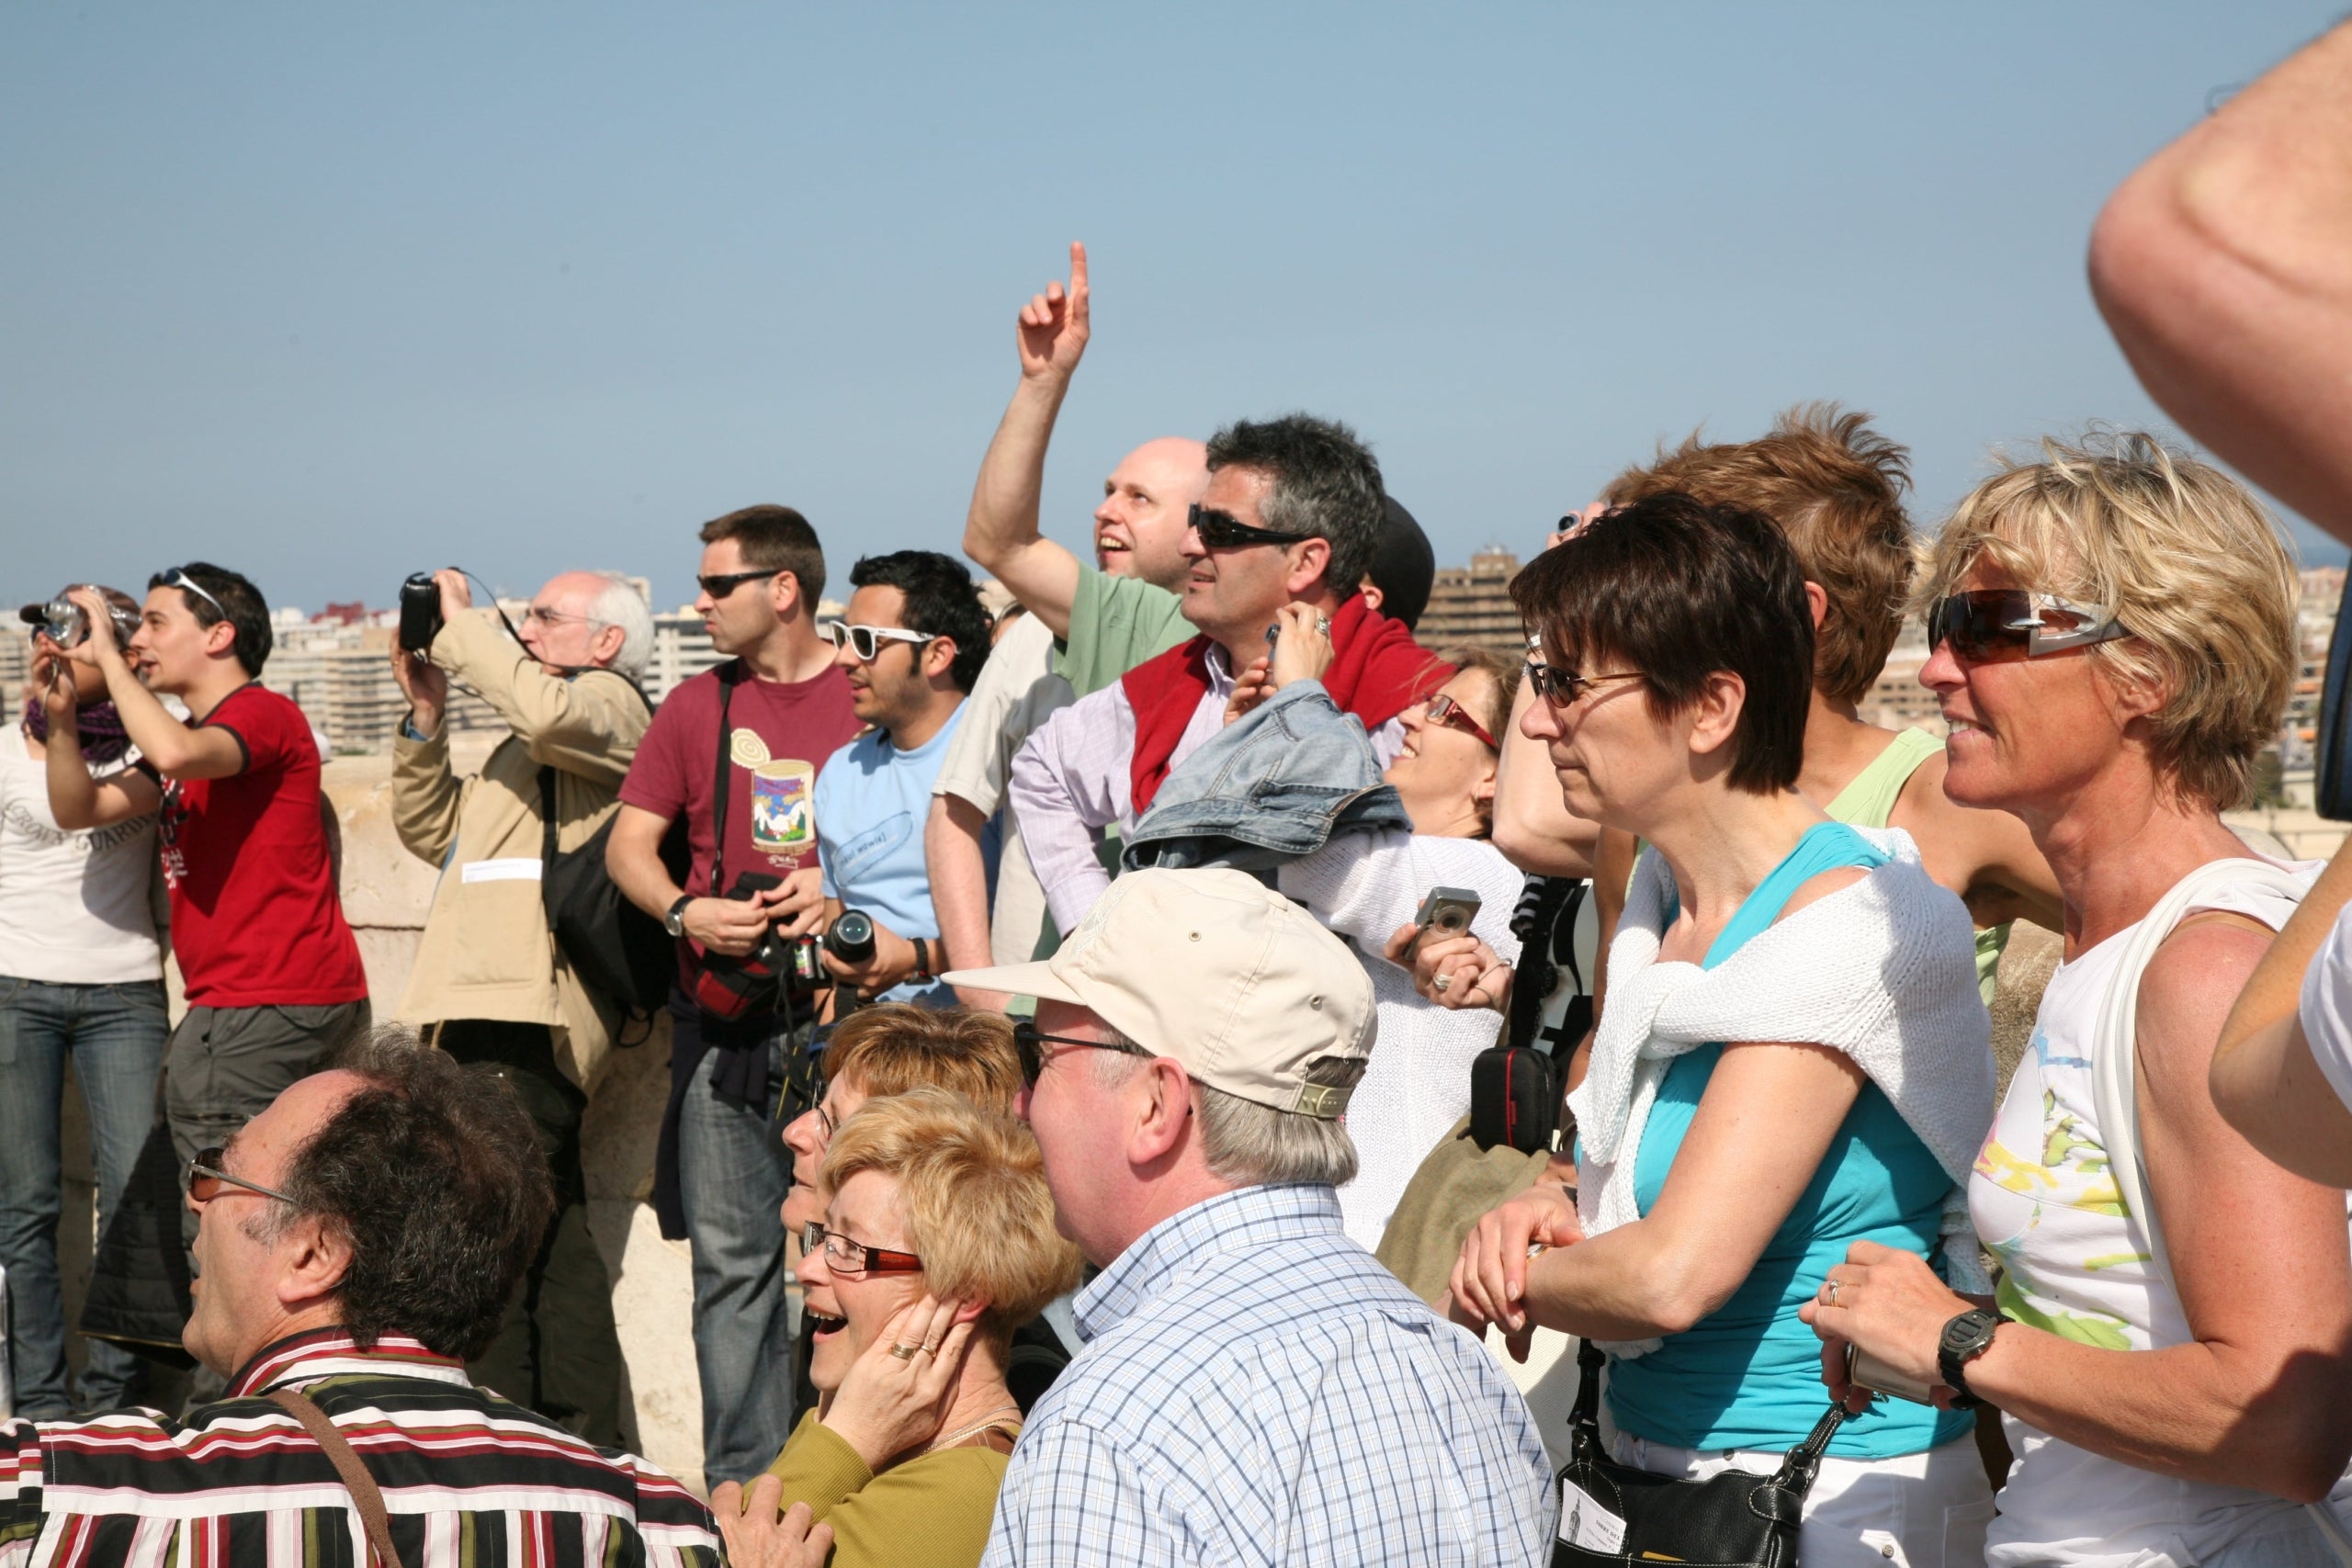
<point>733,755</point>
<point>1293,515</point>
<point>272,973</point>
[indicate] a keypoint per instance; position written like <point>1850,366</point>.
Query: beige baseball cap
<point>1222,973</point>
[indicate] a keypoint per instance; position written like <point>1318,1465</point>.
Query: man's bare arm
<point>1002,531</point>
<point>959,890</point>
<point>2224,268</point>
<point>1532,825</point>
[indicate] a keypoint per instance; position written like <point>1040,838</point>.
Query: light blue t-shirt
<point>871,800</point>
<point>1749,1375</point>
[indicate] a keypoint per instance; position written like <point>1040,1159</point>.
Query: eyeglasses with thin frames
<point>1224,531</point>
<point>1027,1037</point>
<point>866,642</point>
<point>205,1179</point>
<point>555,618</point>
<point>1447,714</point>
<point>854,1259</point>
<point>720,587</point>
<point>1566,688</point>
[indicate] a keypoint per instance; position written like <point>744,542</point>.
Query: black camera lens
<point>851,938</point>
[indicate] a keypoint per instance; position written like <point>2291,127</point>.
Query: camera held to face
<point>419,612</point>
<point>64,623</point>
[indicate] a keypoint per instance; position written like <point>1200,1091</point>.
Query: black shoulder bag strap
<point>1796,1472</point>
<point>729,674</point>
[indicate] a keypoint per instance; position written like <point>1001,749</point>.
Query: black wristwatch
<point>674,922</point>
<point>1965,1337</point>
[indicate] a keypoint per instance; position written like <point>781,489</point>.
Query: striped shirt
<point>469,1480</point>
<point>1257,1390</point>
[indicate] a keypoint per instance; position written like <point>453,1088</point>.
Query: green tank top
<point>1869,802</point>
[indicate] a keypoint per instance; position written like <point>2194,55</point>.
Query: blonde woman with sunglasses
<point>2114,640</point>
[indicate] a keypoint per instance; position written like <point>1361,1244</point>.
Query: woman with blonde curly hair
<point>2114,637</point>
<point>937,1242</point>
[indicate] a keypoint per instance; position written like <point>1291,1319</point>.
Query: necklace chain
<point>952,1438</point>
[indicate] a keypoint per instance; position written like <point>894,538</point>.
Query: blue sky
<point>331,293</point>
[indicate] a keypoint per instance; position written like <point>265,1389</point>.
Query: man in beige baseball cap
<point>1196,1041</point>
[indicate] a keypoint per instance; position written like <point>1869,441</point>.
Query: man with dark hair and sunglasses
<point>359,1239</point>
<point>273,976</point>
<point>1293,515</point>
<point>914,641</point>
<point>733,755</point>
<point>490,983</point>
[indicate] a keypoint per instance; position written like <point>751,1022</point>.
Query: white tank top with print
<point>2048,1208</point>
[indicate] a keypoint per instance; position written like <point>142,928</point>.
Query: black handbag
<point>1515,1087</point>
<point>1616,1516</point>
<point>615,948</point>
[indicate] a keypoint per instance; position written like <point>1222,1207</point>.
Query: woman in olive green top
<point>938,1241</point>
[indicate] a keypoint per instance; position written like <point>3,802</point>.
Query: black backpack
<point>615,948</point>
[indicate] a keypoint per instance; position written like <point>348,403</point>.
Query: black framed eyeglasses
<point>1566,688</point>
<point>866,642</point>
<point>2001,626</point>
<point>1027,1037</point>
<point>854,1259</point>
<point>720,587</point>
<point>205,1179</point>
<point>1224,531</point>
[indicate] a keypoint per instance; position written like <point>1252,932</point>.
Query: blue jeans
<point>733,1176</point>
<point>115,1035</point>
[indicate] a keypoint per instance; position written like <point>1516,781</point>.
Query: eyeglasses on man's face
<point>1224,531</point>
<point>1566,688</point>
<point>721,586</point>
<point>2002,626</point>
<point>554,618</point>
<point>205,1178</point>
<point>1447,714</point>
<point>866,642</point>
<point>853,1260</point>
<point>1028,1041</point>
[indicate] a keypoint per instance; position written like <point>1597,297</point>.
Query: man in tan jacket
<point>491,983</point>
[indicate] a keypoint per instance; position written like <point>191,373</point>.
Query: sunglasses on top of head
<point>2000,626</point>
<point>866,642</point>
<point>1224,531</point>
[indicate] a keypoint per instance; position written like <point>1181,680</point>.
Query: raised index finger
<point>1077,273</point>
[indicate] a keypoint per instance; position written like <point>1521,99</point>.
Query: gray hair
<point>619,604</point>
<point>1251,1144</point>
<point>1326,486</point>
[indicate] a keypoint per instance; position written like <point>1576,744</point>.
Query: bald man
<point>489,985</point>
<point>1087,626</point>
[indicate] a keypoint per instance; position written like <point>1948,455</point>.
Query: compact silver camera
<point>62,622</point>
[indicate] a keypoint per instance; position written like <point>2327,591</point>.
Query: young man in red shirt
<point>272,974</point>
<point>721,1176</point>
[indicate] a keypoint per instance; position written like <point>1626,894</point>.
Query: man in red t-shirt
<point>272,974</point>
<point>719,1174</point>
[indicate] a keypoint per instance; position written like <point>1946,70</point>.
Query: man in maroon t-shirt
<point>719,1174</point>
<point>272,974</point>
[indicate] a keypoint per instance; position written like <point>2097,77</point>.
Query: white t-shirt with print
<point>76,909</point>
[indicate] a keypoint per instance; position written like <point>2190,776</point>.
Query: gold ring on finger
<point>905,1352</point>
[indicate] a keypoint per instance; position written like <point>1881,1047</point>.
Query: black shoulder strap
<point>547,819</point>
<point>729,674</point>
<point>1796,1472</point>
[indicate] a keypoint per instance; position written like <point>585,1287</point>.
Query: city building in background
<point>1470,606</point>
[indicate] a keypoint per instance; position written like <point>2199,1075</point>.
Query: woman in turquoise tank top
<point>1719,1179</point>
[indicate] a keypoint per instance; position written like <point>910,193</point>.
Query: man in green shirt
<point>1092,622</point>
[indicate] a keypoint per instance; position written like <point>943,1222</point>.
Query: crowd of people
<point>1146,1062</point>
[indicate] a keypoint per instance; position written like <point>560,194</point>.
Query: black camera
<point>851,938</point>
<point>419,612</point>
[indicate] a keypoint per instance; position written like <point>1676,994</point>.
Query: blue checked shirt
<point>1256,1389</point>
